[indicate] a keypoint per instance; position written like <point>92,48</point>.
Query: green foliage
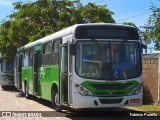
<point>129,23</point>
<point>92,13</point>
<point>32,21</point>
<point>6,47</point>
<point>154,26</point>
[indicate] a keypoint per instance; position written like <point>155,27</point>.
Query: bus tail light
<point>82,90</point>
<point>136,90</point>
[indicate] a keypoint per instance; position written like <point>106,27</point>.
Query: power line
<point>134,22</point>
<point>131,10</point>
<point>119,3</point>
<point>133,16</point>
<point>111,3</point>
<point>99,1</point>
<point>124,1</point>
<point>134,9</point>
<point>126,10</point>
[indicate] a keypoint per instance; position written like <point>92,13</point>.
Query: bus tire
<point>55,100</point>
<point>3,87</point>
<point>27,95</point>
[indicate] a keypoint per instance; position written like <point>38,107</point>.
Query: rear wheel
<point>56,100</point>
<point>3,87</point>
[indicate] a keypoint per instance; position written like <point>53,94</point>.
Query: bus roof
<point>53,36</point>
<point>66,31</point>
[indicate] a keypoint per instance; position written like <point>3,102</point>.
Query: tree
<point>154,26</point>
<point>92,13</point>
<point>6,47</point>
<point>129,23</point>
<point>32,21</point>
<point>145,34</point>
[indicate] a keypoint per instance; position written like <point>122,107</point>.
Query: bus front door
<point>63,90</point>
<point>36,56</point>
<point>18,73</point>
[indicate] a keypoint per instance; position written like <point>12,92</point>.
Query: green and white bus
<point>83,66</point>
<point>6,72</point>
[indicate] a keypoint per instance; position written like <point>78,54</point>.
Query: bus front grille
<point>110,101</point>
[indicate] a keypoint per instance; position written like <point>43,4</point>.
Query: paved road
<point>13,103</point>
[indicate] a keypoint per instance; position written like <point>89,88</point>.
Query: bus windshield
<point>108,60</point>
<point>7,66</point>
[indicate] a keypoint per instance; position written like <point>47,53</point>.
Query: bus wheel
<point>26,92</point>
<point>55,100</point>
<point>3,87</point>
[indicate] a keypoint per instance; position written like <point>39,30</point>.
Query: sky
<point>136,11</point>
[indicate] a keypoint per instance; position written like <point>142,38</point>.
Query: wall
<point>151,71</point>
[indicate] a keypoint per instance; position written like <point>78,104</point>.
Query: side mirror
<point>72,49</point>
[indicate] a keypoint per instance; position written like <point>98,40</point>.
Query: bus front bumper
<point>7,82</point>
<point>80,101</point>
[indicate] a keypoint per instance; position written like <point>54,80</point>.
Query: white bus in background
<point>6,72</point>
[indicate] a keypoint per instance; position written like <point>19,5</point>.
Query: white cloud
<point>5,3</point>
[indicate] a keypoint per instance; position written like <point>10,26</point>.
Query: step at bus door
<point>63,74</point>
<point>36,57</point>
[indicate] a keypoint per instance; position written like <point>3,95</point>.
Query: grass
<point>147,108</point>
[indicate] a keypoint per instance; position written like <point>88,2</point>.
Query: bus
<point>85,66</point>
<point>6,73</point>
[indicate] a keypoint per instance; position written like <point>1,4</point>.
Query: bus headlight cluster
<point>136,90</point>
<point>82,90</point>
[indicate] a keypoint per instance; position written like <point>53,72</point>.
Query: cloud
<point>5,3</point>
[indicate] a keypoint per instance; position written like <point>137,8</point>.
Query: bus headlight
<point>82,90</point>
<point>136,90</point>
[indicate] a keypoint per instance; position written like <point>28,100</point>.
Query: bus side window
<point>47,50</point>
<point>55,52</point>
<point>26,58</point>
<point>30,57</point>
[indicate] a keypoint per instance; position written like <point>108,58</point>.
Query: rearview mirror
<point>72,49</point>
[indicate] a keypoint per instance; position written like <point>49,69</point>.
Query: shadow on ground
<point>9,88</point>
<point>38,100</point>
<point>90,114</point>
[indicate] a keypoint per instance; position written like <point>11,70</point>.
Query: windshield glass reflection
<point>108,60</point>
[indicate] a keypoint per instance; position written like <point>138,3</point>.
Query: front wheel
<point>56,100</point>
